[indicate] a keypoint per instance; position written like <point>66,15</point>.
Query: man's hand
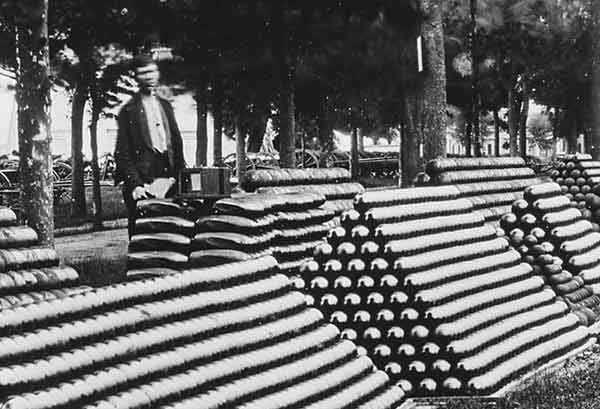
<point>138,193</point>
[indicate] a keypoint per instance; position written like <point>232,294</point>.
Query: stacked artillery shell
<point>333,183</point>
<point>30,273</point>
<point>434,296</point>
<point>161,242</point>
<point>236,335</point>
<point>286,225</point>
<point>554,238</point>
<point>491,184</point>
<point>578,175</point>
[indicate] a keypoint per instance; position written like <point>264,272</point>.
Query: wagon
<point>370,163</point>
<point>305,158</point>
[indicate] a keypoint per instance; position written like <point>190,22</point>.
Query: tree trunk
<point>555,131</point>
<point>33,98</point>
<point>325,124</point>
<point>78,203</point>
<point>402,159</point>
<point>410,144</point>
<point>287,125</point>
<point>476,132</point>
<point>469,135</point>
<point>217,103</point>
<point>96,191</point>
<point>475,103</point>
<point>523,119</point>
<point>595,97</point>
<point>569,127</point>
<point>360,140</point>
<point>285,74</point>
<point>240,149</point>
<point>354,153</point>
<point>425,105</point>
<point>201,129</point>
<point>587,140</point>
<point>496,133</point>
<point>513,120</point>
<point>432,119</point>
<point>256,132</point>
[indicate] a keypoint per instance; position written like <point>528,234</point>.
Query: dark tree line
<point>349,65</point>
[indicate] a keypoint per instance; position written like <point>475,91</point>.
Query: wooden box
<point>204,183</point>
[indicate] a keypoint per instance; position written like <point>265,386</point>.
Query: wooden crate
<point>204,183</point>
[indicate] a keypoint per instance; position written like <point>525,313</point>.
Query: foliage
<point>362,65</point>
<point>540,129</point>
<point>536,49</point>
<point>348,54</point>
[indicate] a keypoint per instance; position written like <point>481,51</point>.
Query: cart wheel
<point>231,162</point>
<point>337,159</point>
<point>306,159</point>
<point>62,169</point>
<point>5,182</point>
<point>328,160</point>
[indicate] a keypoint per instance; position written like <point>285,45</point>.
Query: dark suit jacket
<point>133,152</point>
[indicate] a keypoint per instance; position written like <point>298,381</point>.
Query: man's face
<point>147,76</point>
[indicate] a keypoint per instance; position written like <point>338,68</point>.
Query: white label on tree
<point>420,53</point>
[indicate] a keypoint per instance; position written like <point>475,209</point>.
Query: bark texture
<point>569,125</point>
<point>475,97</point>
<point>256,131</point>
<point>513,120</point>
<point>523,119</point>
<point>33,98</point>
<point>78,205</point>
<point>433,116</point>
<point>425,105</point>
<point>240,149</point>
<point>325,123</point>
<point>496,133</point>
<point>201,130</point>
<point>96,192</point>
<point>595,97</point>
<point>354,153</point>
<point>217,104</point>
<point>285,74</point>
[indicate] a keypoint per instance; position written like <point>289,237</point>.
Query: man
<point>149,144</point>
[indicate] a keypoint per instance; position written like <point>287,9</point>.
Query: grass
<point>100,271</point>
<point>574,385</point>
<point>100,257</point>
<point>112,208</point>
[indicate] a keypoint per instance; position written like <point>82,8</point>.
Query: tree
<point>540,129</point>
<point>225,67</point>
<point>434,90</point>
<point>285,72</point>
<point>475,60</point>
<point>104,89</point>
<point>339,60</point>
<point>561,79</point>
<point>30,18</point>
<point>595,90</point>
<point>83,26</point>
<point>523,46</point>
<point>425,106</point>
<point>355,71</point>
